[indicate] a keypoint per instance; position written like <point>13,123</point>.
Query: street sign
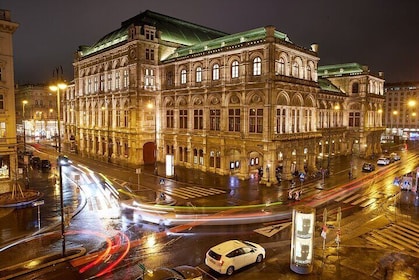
<point>142,266</point>
<point>272,230</point>
<point>138,171</point>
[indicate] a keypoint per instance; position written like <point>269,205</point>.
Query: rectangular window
<point>1,102</point>
<point>169,119</point>
<point>126,78</point>
<point>198,119</point>
<point>126,118</point>
<point>215,119</point>
<point>118,118</point>
<point>117,80</point>
<point>95,84</point>
<point>109,82</point>
<point>102,83</point>
<point>354,119</point>
<point>234,120</point>
<point>256,120</point>
<point>2,130</point>
<point>183,119</point>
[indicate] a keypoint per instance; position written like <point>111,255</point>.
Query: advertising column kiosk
<point>302,239</point>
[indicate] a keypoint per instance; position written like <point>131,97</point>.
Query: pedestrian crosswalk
<point>403,236</point>
<point>192,192</point>
<point>358,199</point>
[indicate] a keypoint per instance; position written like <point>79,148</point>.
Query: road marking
<point>272,230</point>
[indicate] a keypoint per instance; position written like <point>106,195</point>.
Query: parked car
<point>368,167</point>
<point>395,156</point>
<point>229,256</point>
<point>383,161</point>
<point>45,165</point>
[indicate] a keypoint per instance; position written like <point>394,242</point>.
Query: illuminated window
<point>183,76</point>
<point>280,120</point>
<point>117,80</point>
<point>102,82</point>
<point>126,78</point>
<point>198,75</point>
<point>2,129</point>
<point>235,69</point>
<point>257,66</point>
<point>149,77</point>
<point>215,72</point>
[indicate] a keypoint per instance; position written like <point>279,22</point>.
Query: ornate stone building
<point>217,102</point>
<point>8,144</point>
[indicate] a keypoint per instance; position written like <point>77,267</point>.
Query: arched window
<point>235,69</point>
<point>355,87</point>
<point>309,77</point>
<point>281,66</point>
<point>183,76</point>
<point>215,72</point>
<point>198,74</point>
<point>257,66</point>
<point>295,70</point>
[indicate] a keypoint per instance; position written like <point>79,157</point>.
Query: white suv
<point>232,255</point>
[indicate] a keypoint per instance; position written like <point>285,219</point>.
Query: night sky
<point>381,34</point>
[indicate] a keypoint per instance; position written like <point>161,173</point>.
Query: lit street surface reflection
<point>128,230</point>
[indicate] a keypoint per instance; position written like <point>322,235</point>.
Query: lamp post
<point>151,106</point>
<point>25,157</point>
<point>56,88</point>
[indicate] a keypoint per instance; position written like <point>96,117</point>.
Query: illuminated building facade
<point>8,144</point>
<point>221,103</point>
<point>40,112</point>
<point>402,109</point>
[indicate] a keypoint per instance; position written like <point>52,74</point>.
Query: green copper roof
<point>172,30</point>
<point>341,70</point>
<point>226,41</point>
<point>326,85</point>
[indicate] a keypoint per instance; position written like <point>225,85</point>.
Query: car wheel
<point>230,270</point>
<point>259,258</point>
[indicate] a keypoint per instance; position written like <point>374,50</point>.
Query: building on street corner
<point>8,142</point>
<point>224,103</point>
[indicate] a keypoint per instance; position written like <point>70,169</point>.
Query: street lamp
<point>151,106</point>
<point>56,88</point>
